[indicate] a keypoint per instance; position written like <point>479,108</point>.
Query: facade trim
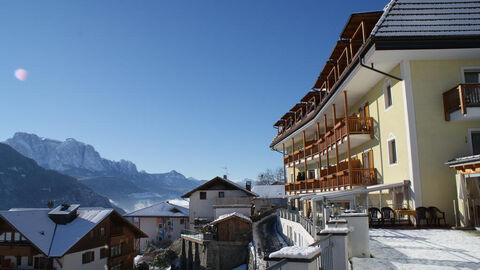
<point>411,133</point>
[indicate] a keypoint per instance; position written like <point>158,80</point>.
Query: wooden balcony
<point>335,135</point>
<point>458,99</point>
<point>330,179</point>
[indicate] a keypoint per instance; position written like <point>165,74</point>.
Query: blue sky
<point>187,85</point>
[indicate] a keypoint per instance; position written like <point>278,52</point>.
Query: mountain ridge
<point>120,181</point>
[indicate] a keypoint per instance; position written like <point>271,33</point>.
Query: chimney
<point>225,176</point>
<point>248,185</point>
<point>64,213</point>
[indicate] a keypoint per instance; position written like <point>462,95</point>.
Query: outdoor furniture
<point>374,216</point>
<point>436,215</point>
<point>406,212</point>
<point>422,215</point>
<point>388,215</point>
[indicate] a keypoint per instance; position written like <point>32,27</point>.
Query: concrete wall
<point>295,233</point>
<point>438,140</point>
<point>204,208</point>
<point>150,226</point>
<point>73,261</point>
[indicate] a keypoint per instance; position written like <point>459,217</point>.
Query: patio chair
<point>374,216</point>
<point>436,215</point>
<point>388,215</point>
<point>422,215</point>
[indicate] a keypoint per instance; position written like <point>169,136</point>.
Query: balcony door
<point>367,159</point>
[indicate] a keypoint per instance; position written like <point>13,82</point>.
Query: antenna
<point>225,170</point>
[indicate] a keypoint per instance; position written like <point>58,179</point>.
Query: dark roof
<point>429,18</point>
<point>218,180</point>
<point>461,161</point>
<point>310,95</point>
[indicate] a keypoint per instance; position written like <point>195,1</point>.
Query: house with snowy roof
<point>67,237</point>
<point>161,221</point>
<point>217,197</point>
<point>269,197</point>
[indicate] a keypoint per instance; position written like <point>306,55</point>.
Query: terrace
<point>462,102</point>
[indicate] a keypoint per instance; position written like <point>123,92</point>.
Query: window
<point>88,257</point>
<point>475,142</point>
<point>16,237</point>
<point>8,236</point>
<point>2,237</point>
<point>392,149</point>
<point>116,250</point>
<point>19,260</point>
<point>103,253</point>
<point>92,234</point>
<point>160,226</point>
<point>102,231</point>
<point>388,95</point>
<point>30,260</point>
<point>203,195</point>
<point>221,194</point>
<point>182,221</point>
<point>472,76</point>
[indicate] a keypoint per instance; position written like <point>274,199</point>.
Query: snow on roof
<point>337,230</point>
<point>68,235</point>
<point>269,191</point>
<point>294,252</point>
<point>429,18</point>
<point>39,229</point>
<point>163,209</point>
<point>207,185</point>
<point>227,216</point>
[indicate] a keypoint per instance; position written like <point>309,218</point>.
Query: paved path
<point>421,249</point>
<point>267,238</point>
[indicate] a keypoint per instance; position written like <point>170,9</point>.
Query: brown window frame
<point>203,195</point>
<point>86,258</point>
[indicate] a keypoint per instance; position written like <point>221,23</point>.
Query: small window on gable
<point>221,194</point>
<point>392,151</point>
<point>472,76</point>
<point>387,93</point>
<point>203,195</point>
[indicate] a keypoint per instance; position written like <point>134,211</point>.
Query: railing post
<point>348,138</point>
<point>461,93</point>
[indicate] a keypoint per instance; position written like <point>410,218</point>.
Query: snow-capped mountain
<point>69,155</point>
<point>25,184</point>
<point>120,181</point>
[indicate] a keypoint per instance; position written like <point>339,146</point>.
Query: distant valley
<point>119,181</point>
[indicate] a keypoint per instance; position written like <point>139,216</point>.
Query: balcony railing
<point>333,135</point>
<point>460,97</point>
<point>333,179</point>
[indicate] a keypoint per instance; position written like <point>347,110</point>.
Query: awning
<point>343,193</point>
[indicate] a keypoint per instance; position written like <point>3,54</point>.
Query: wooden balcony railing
<point>334,135</point>
<point>460,97</point>
<point>344,178</point>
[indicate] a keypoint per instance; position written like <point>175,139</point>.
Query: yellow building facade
<point>392,104</point>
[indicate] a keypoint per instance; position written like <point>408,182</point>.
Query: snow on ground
<point>421,249</point>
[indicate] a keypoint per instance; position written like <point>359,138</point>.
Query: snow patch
<point>294,252</point>
<point>222,217</point>
<point>336,230</point>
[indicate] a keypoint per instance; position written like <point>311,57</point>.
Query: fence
<point>327,252</point>
<point>292,215</point>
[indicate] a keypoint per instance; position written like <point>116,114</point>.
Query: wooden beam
<point>325,139</point>
<point>293,153</point>
<point>305,158</point>
<point>336,143</point>
<point>319,152</point>
<point>348,138</point>
<point>284,167</point>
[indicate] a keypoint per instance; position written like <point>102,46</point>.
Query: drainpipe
<point>362,63</point>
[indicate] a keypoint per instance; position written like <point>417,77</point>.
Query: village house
<point>397,97</point>
<point>269,197</point>
<point>222,244</point>
<point>161,221</point>
<point>217,197</point>
<point>67,237</point>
